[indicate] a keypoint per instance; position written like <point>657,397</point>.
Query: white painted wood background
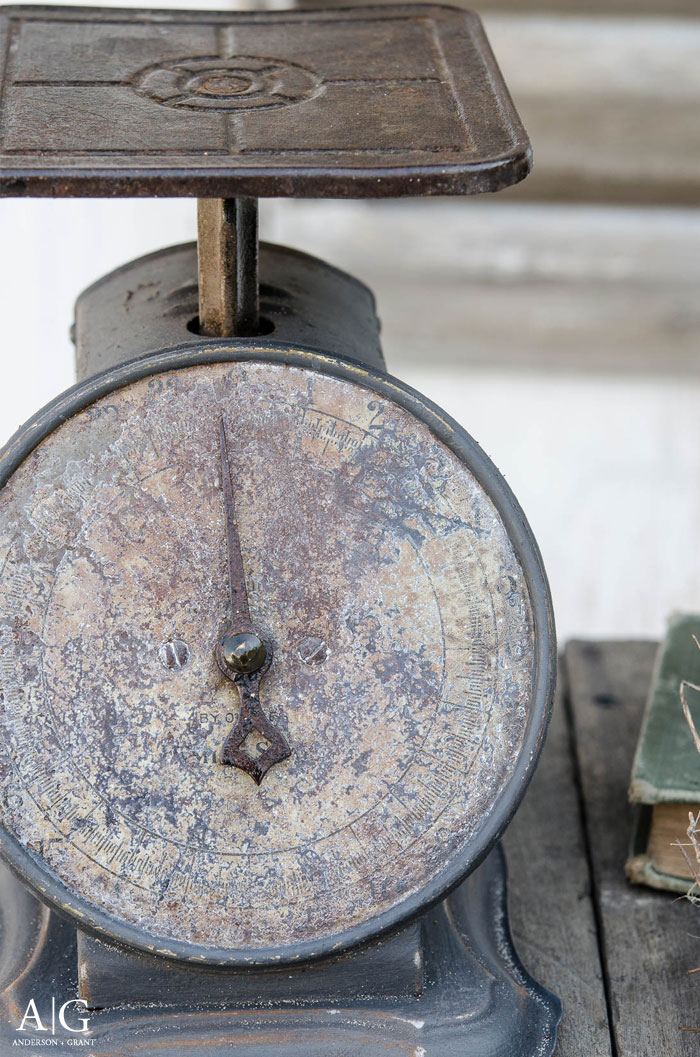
<point>565,335</point>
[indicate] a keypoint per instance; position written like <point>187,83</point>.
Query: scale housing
<point>358,103</point>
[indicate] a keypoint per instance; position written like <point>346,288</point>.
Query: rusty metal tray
<point>363,102</point>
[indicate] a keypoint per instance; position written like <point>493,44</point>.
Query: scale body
<point>305,861</point>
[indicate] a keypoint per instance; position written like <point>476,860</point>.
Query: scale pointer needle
<point>241,653</point>
<point>240,611</point>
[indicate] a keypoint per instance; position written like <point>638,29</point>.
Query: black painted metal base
<point>474,998</point>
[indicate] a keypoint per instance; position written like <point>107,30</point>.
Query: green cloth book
<point>665,783</point>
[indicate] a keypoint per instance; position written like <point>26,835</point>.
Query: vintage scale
<point>276,644</point>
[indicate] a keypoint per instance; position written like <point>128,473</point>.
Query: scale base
<point>472,996</point>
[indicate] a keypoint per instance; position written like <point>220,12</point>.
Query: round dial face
<point>272,504</point>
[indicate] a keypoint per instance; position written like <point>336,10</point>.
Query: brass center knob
<point>243,653</point>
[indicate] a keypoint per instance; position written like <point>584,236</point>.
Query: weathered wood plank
<point>664,8</point>
<point>502,283</point>
<point>610,105</point>
<point>551,911</point>
<point>649,938</point>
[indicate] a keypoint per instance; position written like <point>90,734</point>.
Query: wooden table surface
<point>619,956</point>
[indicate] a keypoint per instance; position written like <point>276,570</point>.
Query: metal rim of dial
<point>93,919</point>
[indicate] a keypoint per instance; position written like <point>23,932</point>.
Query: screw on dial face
<point>242,654</point>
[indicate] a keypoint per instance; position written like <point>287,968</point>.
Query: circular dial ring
<point>30,865</point>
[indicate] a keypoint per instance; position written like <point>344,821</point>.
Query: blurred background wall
<point>558,321</point>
